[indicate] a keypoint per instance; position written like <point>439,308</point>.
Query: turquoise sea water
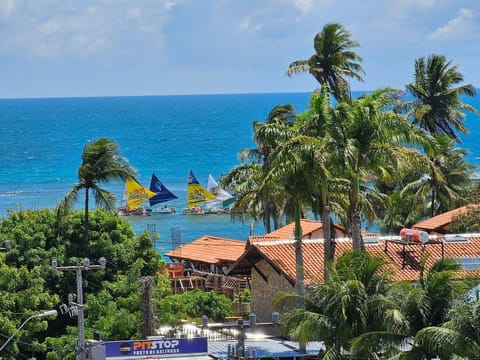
<point>42,141</point>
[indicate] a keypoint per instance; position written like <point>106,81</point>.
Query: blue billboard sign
<point>151,347</point>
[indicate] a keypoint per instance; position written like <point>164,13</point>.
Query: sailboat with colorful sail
<point>135,194</point>
<point>197,196</point>
<point>162,195</point>
<point>222,197</point>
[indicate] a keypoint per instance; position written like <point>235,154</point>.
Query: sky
<point>69,48</point>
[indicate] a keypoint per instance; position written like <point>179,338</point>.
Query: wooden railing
<point>229,286</point>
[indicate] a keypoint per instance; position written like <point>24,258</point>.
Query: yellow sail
<point>136,193</point>
<point>196,193</point>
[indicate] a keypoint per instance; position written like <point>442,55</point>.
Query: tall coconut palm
<point>333,61</point>
<point>436,106</point>
<point>101,162</point>
<point>313,137</point>
<point>371,141</point>
<point>298,165</point>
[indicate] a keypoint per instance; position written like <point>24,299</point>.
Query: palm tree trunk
<point>85,238</point>
<point>355,223</point>
<point>328,246</point>
<point>432,205</point>
<point>147,327</point>
<point>433,182</point>
<point>266,218</point>
<point>300,272</point>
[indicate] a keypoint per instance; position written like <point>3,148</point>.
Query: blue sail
<point>163,194</point>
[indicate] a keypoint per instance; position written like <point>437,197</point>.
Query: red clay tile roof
<point>438,222</point>
<point>308,228</point>
<point>210,250</point>
<point>282,255</point>
<point>258,239</point>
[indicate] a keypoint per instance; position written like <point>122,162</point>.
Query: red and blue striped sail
<point>162,193</point>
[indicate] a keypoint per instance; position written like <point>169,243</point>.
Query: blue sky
<point>57,48</point>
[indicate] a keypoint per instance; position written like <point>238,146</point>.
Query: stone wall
<point>263,291</point>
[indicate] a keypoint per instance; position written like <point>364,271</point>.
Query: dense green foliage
<point>380,157</point>
<point>360,313</point>
<point>111,295</point>
<point>193,305</point>
<point>468,221</point>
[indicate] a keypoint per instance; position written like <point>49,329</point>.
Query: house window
<point>470,263</point>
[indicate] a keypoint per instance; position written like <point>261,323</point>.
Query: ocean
<point>43,139</point>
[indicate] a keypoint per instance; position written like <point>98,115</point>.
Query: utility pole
<point>80,350</point>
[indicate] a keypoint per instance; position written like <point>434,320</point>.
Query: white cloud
<point>460,25</point>
<point>247,25</point>
<point>52,29</point>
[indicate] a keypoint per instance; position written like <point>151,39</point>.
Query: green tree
<point>193,305</point>
<point>422,303</point>
<point>458,336</point>
<point>101,162</point>
<point>22,294</point>
<point>261,203</point>
<point>333,61</point>
<point>292,162</point>
<point>446,176</point>
<point>112,295</point>
<point>436,106</point>
<point>300,166</point>
<point>371,142</point>
<point>468,221</point>
<point>313,126</point>
<point>351,302</point>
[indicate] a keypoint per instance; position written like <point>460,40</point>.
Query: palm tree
<point>448,174</point>
<point>458,336</point>
<point>298,165</point>
<point>420,304</point>
<point>351,302</point>
<point>267,203</point>
<point>311,144</point>
<point>371,142</point>
<point>333,61</point>
<point>101,162</point>
<point>437,106</point>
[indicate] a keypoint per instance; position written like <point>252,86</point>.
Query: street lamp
<point>80,352</point>
<point>42,314</point>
